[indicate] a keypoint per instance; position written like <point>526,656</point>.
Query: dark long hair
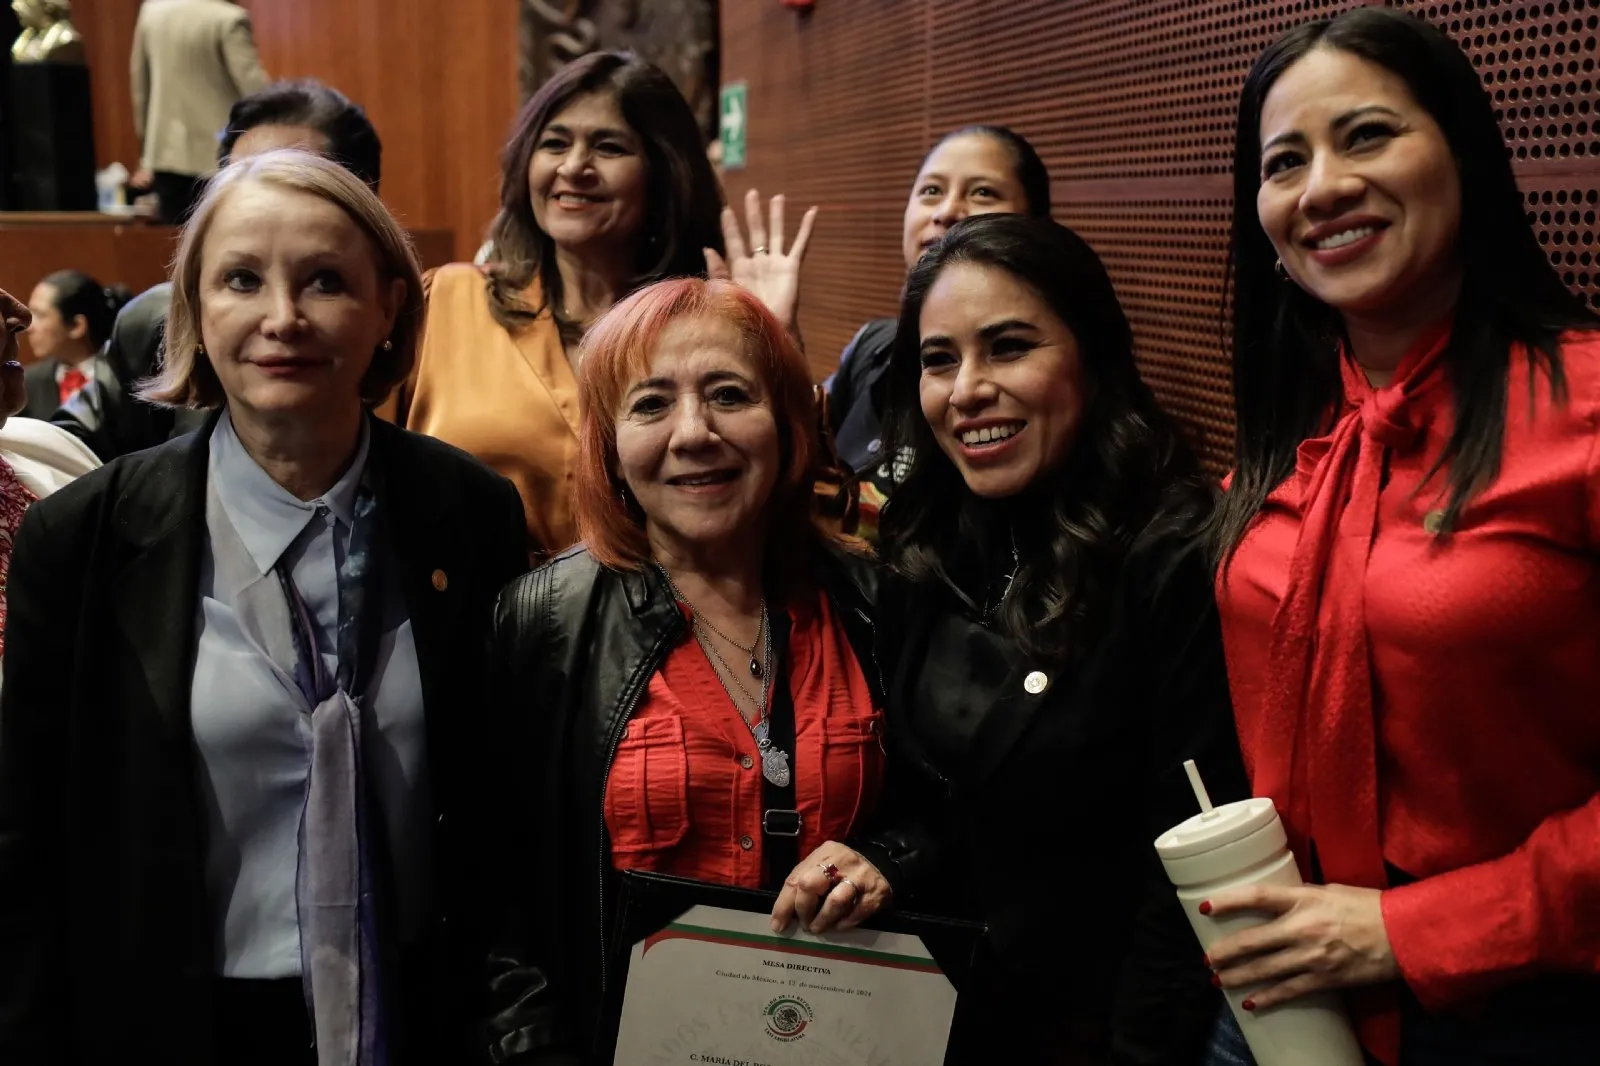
<point>1285,342</point>
<point>1030,170</point>
<point>79,294</point>
<point>1128,482</point>
<point>684,208</point>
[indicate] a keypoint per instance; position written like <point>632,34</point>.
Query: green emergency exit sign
<point>733,125</point>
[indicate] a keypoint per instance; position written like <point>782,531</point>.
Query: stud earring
<point>387,345</point>
<point>200,349</point>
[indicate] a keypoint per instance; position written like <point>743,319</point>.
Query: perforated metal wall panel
<point>1132,104</point>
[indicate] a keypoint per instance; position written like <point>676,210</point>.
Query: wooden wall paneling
<point>479,78</point>
<point>439,82</point>
<point>107,28</point>
<point>1166,257</point>
<point>347,46</point>
<point>34,245</point>
<point>1132,105</point>
<point>833,121</point>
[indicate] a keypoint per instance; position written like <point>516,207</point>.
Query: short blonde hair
<point>186,377</point>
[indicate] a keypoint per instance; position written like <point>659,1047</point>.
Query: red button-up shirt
<point>684,795</point>
<point>1484,654</point>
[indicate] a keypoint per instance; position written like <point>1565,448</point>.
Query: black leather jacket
<point>574,648</point>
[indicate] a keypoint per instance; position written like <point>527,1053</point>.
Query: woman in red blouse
<point>683,693</point>
<point>1410,545</point>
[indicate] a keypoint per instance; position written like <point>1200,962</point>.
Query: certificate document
<point>717,987</point>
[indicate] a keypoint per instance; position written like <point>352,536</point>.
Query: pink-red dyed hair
<point>617,352</point>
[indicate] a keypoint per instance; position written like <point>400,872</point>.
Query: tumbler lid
<point>1216,828</point>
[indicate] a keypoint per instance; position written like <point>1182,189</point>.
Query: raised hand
<point>765,266</point>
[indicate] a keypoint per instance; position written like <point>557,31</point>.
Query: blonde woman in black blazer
<point>119,944</point>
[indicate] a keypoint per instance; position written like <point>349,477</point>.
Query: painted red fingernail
<point>1248,1004</point>
<point>1216,982</point>
<point>1205,906</point>
<point>1206,961</point>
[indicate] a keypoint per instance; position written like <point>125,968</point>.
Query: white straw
<point>1198,785</point>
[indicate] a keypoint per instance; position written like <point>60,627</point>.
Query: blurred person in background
<point>191,61</point>
<point>975,170</point>
<point>307,114</point>
<point>605,186</point>
<point>72,317</point>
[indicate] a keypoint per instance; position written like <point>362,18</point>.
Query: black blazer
<point>1045,828</point>
<point>44,393</point>
<point>104,924</point>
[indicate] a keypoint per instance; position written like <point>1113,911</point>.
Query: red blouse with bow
<point>1433,702</point>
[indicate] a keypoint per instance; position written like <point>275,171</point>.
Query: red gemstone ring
<point>830,871</point>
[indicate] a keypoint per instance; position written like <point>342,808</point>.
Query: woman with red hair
<point>688,682</point>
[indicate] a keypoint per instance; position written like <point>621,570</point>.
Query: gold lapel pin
<point>441,580</point>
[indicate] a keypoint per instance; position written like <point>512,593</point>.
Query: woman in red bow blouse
<point>1410,560</point>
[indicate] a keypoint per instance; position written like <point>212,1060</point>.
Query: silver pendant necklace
<point>774,760</point>
<point>757,669</point>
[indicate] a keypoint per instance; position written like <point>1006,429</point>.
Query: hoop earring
<point>1279,269</point>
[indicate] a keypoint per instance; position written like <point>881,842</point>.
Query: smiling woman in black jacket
<point>1055,654</point>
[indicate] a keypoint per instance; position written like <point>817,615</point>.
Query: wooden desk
<point>117,251</point>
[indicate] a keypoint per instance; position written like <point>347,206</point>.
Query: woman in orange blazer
<point>605,187</point>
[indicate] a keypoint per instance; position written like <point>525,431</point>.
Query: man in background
<point>309,115</point>
<point>192,60</point>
